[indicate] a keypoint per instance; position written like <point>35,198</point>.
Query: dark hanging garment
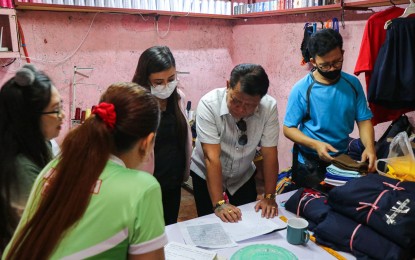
<point>393,81</point>
<point>373,38</point>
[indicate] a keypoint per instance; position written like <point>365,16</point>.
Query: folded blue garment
<point>376,201</point>
<point>334,182</point>
<point>311,208</point>
<point>337,171</point>
<point>336,232</point>
<point>340,177</point>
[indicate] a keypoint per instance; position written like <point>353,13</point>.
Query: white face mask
<point>164,91</point>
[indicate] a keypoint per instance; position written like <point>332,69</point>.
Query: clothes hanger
<point>335,24</point>
<point>409,10</point>
<point>328,24</point>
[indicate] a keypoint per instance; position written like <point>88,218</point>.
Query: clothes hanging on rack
<point>393,79</point>
<point>374,36</point>
<point>309,29</point>
<point>409,10</point>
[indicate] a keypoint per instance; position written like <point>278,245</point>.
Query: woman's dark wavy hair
<point>92,143</point>
<point>158,59</point>
<point>21,109</point>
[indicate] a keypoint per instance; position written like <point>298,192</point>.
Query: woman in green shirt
<point>90,202</point>
<point>30,116</point>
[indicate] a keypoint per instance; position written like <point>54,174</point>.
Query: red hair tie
<point>106,112</point>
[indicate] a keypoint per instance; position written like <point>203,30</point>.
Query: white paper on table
<point>205,233</point>
<point>252,225</point>
<point>178,251</point>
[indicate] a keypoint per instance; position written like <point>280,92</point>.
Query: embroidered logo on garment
<point>399,208</point>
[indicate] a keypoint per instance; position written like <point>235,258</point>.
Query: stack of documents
<point>213,233</point>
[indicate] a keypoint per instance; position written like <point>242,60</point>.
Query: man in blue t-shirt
<point>322,108</point>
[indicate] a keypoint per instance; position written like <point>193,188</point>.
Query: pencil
<point>327,249</point>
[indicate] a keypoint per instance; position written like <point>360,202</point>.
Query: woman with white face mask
<point>156,71</point>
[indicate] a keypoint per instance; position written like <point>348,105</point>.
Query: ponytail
<point>130,113</point>
<point>81,149</point>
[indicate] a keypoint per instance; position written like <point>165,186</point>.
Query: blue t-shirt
<point>333,110</point>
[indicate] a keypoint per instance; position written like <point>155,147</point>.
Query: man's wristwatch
<point>218,204</point>
<point>270,196</point>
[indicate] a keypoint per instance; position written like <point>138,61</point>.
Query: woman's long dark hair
<point>21,108</point>
<point>137,115</point>
<point>158,59</point>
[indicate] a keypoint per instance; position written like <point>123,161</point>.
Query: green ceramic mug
<point>297,233</point>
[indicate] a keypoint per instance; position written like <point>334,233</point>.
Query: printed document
<point>213,233</point>
<point>208,233</point>
<point>178,251</point>
<point>252,225</point>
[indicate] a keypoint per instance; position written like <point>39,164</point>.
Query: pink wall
<point>112,47</point>
<point>275,43</point>
<point>207,48</point>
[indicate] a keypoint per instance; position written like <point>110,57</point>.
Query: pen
<point>328,249</point>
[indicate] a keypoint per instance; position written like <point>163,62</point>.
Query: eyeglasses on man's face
<point>58,111</point>
<point>243,139</point>
<point>327,66</point>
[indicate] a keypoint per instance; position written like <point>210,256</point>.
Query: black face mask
<point>331,75</point>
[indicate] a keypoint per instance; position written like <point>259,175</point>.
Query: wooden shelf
<point>70,8</point>
<point>373,3</point>
<point>313,9</point>
<point>9,54</point>
<point>96,9</point>
<point>9,24</point>
<point>326,8</point>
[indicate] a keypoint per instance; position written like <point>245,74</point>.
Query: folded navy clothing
<point>313,206</point>
<point>336,232</point>
<point>379,202</point>
<point>339,177</point>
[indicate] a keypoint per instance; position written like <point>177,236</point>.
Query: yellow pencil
<point>328,249</point>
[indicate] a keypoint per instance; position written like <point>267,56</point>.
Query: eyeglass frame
<point>58,112</point>
<point>243,138</point>
<point>336,65</point>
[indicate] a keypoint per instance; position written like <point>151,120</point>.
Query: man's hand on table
<point>228,213</point>
<point>269,207</point>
